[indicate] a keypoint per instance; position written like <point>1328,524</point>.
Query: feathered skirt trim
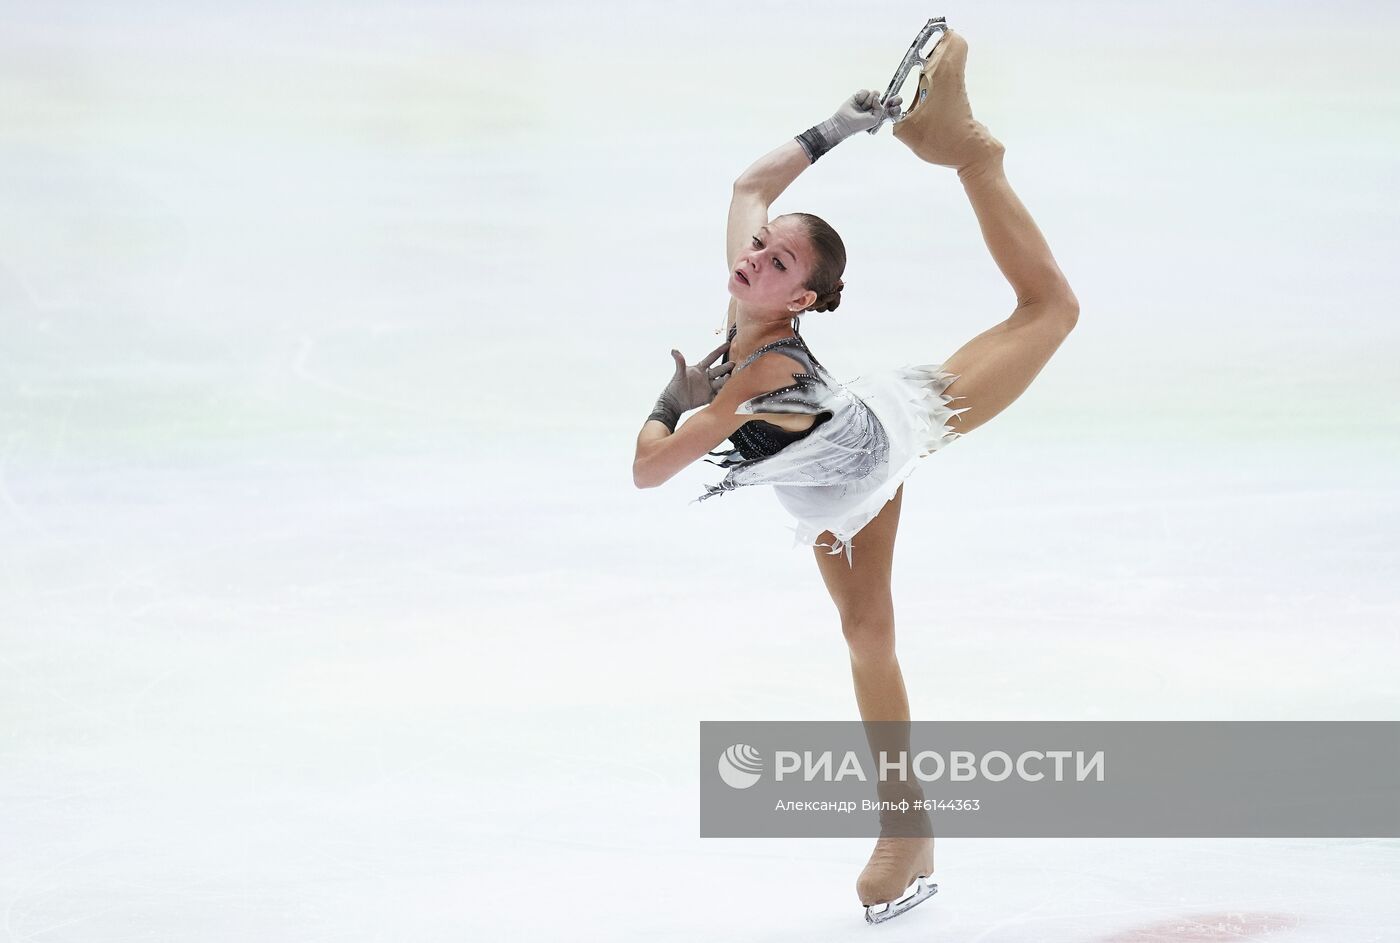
<point>840,477</point>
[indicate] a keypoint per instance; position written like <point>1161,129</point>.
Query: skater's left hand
<point>693,386</point>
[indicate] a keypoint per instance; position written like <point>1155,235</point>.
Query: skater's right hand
<point>863,111</point>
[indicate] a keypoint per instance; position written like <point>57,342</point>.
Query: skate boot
<point>939,126</point>
<point>896,877</point>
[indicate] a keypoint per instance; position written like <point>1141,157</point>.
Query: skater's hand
<point>696,386</point>
<point>692,386</point>
<point>863,111</point>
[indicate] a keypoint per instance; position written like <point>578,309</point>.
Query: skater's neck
<point>754,329</point>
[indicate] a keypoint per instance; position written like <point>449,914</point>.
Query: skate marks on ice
<point>1206,927</point>
<point>1188,928</point>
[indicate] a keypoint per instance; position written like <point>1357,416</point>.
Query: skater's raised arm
<point>764,181</point>
<point>754,192</point>
<point>767,176</point>
<point>770,175</point>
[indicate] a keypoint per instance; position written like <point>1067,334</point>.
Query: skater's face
<point>771,272</point>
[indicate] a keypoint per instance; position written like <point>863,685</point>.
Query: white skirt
<point>911,405</point>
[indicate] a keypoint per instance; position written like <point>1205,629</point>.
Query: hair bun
<point>829,301</point>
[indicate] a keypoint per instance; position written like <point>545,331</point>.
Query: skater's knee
<point>1054,308</point>
<point>870,638</point>
<point>1063,309</point>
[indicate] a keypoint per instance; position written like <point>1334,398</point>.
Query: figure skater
<point>838,454</point>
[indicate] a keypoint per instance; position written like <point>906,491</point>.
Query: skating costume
<point>868,437</point>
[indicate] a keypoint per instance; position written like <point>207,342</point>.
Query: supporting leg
<point>862,594</point>
<point>865,602</point>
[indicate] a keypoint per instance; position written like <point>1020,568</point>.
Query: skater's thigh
<point>861,588</point>
<point>996,366</point>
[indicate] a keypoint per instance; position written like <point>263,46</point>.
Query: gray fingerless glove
<point>691,387</point>
<point>667,410</point>
<point>861,112</point>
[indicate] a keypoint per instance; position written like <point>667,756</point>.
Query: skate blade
<point>919,54</point>
<point>922,891</point>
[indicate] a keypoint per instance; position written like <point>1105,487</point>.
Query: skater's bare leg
<point>863,597</point>
<point>996,366</point>
<point>862,593</point>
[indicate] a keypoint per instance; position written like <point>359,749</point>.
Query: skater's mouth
<point>741,276</point>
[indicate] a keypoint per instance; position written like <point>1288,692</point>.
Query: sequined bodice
<point>758,438</point>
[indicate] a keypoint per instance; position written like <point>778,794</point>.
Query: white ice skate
<point>920,51</point>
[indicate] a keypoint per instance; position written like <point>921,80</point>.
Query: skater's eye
<point>776,261</point>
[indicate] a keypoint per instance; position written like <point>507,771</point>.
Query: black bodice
<point>758,438</point>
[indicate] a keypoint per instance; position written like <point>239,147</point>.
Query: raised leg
<point>996,366</point>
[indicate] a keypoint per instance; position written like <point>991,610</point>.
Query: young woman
<point>838,454</point>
